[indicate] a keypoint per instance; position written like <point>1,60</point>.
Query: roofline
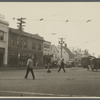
<point>27,34</point>
<point>55,47</point>
<point>4,22</point>
<point>47,41</point>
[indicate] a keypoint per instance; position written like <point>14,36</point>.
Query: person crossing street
<point>30,67</point>
<point>62,66</point>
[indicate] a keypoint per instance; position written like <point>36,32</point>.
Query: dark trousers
<point>62,68</point>
<point>27,72</point>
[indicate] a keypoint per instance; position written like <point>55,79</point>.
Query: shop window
<point>33,46</point>
<point>39,46</point>
<point>12,42</point>
<point>21,43</point>
<point>17,43</point>
<point>1,35</point>
<point>25,44</point>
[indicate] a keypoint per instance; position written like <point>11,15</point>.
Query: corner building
<point>3,42</point>
<point>21,45</point>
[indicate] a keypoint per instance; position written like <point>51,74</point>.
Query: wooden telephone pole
<point>61,42</point>
<point>20,23</point>
<point>20,26</point>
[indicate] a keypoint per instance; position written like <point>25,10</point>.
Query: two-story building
<point>21,45</point>
<point>46,47</point>
<point>46,51</point>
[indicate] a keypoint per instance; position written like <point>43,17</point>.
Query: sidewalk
<point>17,68</point>
<point>23,68</point>
<point>38,68</point>
<point>12,68</point>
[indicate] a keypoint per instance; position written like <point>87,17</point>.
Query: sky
<point>77,22</point>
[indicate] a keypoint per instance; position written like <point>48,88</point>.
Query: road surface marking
<point>43,94</point>
<point>31,93</point>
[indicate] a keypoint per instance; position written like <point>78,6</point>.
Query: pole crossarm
<point>61,42</point>
<point>20,23</point>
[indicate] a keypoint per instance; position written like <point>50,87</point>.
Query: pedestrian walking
<point>48,63</point>
<point>73,65</point>
<point>48,71</point>
<point>58,62</point>
<point>62,66</point>
<point>30,65</point>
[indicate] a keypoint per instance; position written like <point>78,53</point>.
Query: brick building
<point>21,45</point>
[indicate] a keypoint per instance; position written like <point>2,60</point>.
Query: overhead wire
<point>67,20</point>
<point>41,19</point>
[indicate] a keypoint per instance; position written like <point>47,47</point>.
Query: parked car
<point>70,64</point>
<point>95,64</point>
<point>85,62</point>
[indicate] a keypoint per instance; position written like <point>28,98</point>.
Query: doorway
<point>1,59</point>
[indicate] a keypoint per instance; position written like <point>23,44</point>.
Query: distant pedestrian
<point>62,66</point>
<point>48,63</point>
<point>30,65</point>
<point>58,62</point>
<point>48,71</point>
<point>73,65</point>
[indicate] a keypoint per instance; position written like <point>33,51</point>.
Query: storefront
<point>2,50</point>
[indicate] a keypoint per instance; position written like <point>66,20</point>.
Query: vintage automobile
<point>70,64</point>
<point>85,61</point>
<point>95,64</point>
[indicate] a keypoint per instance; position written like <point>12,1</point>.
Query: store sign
<point>2,17</point>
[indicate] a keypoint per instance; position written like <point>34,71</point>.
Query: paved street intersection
<point>76,82</point>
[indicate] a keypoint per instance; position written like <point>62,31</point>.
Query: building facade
<point>21,45</point>
<point>3,42</point>
<point>46,47</point>
<point>54,52</point>
<point>66,53</point>
<point>46,52</point>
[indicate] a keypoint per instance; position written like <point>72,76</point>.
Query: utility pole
<point>20,26</point>
<point>20,23</point>
<point>61,42</point>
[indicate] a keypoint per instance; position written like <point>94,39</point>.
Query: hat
<point>62,59</point>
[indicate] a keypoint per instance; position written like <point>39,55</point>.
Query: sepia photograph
<point>50,49</point>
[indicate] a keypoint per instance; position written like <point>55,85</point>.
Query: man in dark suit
<point>62,66</point>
